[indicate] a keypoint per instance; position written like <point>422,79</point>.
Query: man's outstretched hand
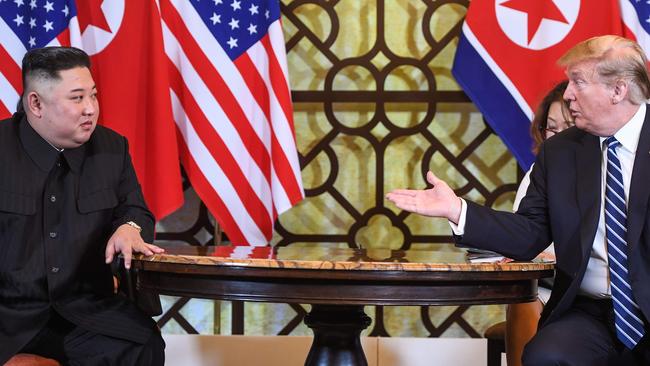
<point>438,201</point>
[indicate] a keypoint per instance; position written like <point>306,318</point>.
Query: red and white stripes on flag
<point>234,117</point>
<point>15,18</point>
<point>11,55</point>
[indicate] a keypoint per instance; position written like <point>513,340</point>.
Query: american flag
<point>27,24</point>
<point>231,104</point>
<point>636,17</point>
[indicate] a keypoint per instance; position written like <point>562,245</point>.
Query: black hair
<point>538,125</point>
<point>46,63</point>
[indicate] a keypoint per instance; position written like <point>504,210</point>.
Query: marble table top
<point>320,257</point>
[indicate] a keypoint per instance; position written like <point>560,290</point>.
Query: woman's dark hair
<point>538,126</point>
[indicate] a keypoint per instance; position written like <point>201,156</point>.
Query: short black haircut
<point>46,63</point>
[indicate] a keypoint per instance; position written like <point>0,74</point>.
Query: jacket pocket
<point>97,201</point>
<point>17,203</point>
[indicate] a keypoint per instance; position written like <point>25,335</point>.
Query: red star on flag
<point>90,13</point>
<point>536,10</point>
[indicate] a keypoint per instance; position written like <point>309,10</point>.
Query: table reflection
<point>324,257</point>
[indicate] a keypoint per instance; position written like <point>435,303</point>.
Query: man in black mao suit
<point>607,91</point>
<point>69,203</point>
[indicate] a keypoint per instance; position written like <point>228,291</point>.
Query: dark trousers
<point>584,335</point>
<point>72,345</point>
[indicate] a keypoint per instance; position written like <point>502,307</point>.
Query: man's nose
<point>568,93</point>
<point>90,107</point>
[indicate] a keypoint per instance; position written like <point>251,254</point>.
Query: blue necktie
<point>627,315</point>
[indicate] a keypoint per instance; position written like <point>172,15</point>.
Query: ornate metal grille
<point>376,107</point>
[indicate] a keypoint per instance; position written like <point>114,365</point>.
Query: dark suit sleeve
<point>521,235</point>
<point>131,206</point>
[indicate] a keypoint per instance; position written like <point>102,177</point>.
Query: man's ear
<point>34,103</point>
<point>621,89</point>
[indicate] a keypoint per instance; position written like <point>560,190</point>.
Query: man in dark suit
<point>69,203</point>
<point>589,194</point>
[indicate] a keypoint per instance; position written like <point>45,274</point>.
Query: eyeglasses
<point>556,129</point>
<point>552,130</point>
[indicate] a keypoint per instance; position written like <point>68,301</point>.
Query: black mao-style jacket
<point>57,212</point>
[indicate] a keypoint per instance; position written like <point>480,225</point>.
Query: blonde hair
<point>616,58</point>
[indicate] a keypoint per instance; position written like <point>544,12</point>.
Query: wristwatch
<point>134,225</point>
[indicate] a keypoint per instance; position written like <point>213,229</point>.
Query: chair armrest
<point>147,301</point>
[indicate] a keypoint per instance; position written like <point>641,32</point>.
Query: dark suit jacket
<point>52,246</point>
<point>562,205</point>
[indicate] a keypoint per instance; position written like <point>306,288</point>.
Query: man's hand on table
<point>127,240</point>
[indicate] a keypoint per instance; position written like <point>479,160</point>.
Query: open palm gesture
<point>438,201</point>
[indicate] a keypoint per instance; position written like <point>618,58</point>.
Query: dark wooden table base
<point>336,335</point>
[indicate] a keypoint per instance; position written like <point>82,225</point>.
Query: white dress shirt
<point>595,282</point>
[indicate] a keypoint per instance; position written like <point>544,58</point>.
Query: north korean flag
<point>507,54</point>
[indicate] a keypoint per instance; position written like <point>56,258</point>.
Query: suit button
<point>52,198</point>
<point>53,235</point>
<point>54,269</point>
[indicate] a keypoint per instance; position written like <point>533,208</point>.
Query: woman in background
<point>552,116</point>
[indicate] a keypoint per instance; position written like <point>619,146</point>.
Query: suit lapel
<point>588,165</point>
<point>640,185</point>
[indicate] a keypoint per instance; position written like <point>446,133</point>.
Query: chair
<point>496,343</point>
<point>521,325</point>
<point>26,359</point>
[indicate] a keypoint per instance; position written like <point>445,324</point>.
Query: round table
<point>337,282</point>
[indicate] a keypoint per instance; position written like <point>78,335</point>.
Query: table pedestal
<point>336,335</point>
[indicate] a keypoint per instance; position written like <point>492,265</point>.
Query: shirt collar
<point>629,134</point>
<point>44,154</point>
<point>39,150</point>
<point>75,157</point>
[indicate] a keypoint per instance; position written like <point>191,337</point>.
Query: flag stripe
<point>279,76</point>
<point>242,198</point>
<point>8,96</point>
<point>211,199</point>
<point>10,70</point>
<point>283,127</point>
<point>64,38</point>
<point>204,160</point>
<point>253,81</point>
<point>54,43</point>
<point>283,169</point>
<point>218,117</point>
<point>235,118</point>
<point>12,43</point>
<point>233,105</point>
<point>498,72</point>
<point>4,111</point>
<point>252,76</point>
<point>213,63</point>
<point>494,100</point>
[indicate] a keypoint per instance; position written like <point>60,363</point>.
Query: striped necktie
<point>627,315</point>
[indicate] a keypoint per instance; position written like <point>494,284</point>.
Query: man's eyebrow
<point>574,73</point>
<point>82,89</point>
